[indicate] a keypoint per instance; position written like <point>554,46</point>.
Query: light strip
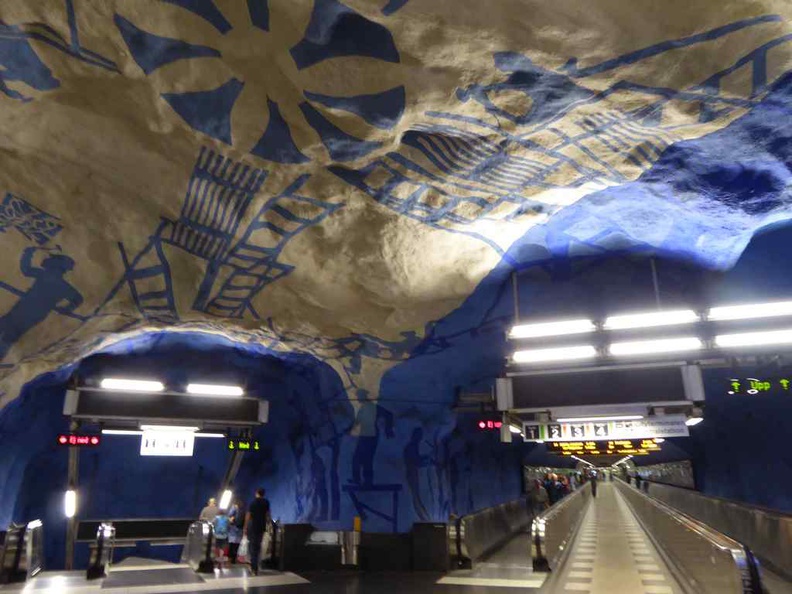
<point>214,390</point>
<point>558,354</point>
<point>209,434</point>
<point>167,428</point>
<point>746,339</point>
<point>614,418</point>
<point>559,328</point>
<point>665,345</point>
<point>651,319</point>
<point>114,383</point>
<point>747,312</point>
<point>121,432</point>
<point>70,503</point>
<point>225,499</point>
<point>582,460</point>
<point>693,421</point>
<point>34,524</point>
<point>514,429</point>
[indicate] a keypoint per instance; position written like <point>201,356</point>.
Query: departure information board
<point>659,426</point>
<point>752,386</point>
<point>616,447</point>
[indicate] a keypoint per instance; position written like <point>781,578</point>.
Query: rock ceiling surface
<point>330,176</point>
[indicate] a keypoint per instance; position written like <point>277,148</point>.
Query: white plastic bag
<point>242,552</point>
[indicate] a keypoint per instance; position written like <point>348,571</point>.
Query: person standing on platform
<point>221,526</point>
<point>593,484</point>
<point>255,525</point>
<point>209,513</point>
<point>236,515</point>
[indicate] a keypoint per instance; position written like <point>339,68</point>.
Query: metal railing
<point>473,536</point>
<point>703,560</point>
<point>768,533</point>
<point>197,552</point>
<point>554,528</point>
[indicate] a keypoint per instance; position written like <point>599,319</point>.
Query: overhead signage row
<point>660,426</point>
<point>752,386</point>
<point>243,444</point>
<point>79,439</point>
<point>617,447</point>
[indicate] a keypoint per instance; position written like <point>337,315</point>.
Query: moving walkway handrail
<point>553,528</point>
<point>767,532</point>
<point>703,559</point>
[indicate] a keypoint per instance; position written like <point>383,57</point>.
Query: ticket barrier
<point>22,554</point>
<point>102,552</point>
<point>197,552</point>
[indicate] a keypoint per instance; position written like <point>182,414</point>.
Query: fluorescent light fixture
<point>559,328</point>
<point>225,499</point>
<point>539,441</point>
<point>747,339</point>
<point>514,429</point>
<point>34,524</point>
<point>612,418</point>
<point>659,439</point>
<point>70,503</point>
<point>651,319</point>
<point>557,354</point>
<point>167,428</point>
<point>121,432</point>
<point>214,390</point>
<point>747,312</point>
<point>209,434</point>
<point>113,383</point>
<point>693,421</point>
<point>663,345</point>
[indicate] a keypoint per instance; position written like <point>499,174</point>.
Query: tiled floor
<point>612,555</point>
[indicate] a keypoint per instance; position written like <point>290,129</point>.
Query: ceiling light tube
<point>651,319</point>
<point>747,339</point>
<point>121,432</point>
<point>693,421</point>
<point>559,328</point>
<point>514,429</point>
<point>214,390</point>
<point>751,311</point>
<point>114,383</point>
<point>664,345</point>
<point>557,354</point>
<point>210,435</point>
<point>34,524</point>
<point>612,418</point>
<point>167,428</point>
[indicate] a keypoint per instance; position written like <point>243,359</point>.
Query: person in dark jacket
<point>255,524</point>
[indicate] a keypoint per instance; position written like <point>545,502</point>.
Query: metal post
<point>655,282</point>
<point>516,297</point>
<point>73,475</point>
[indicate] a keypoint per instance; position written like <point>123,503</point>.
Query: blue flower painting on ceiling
<point>263,64</point>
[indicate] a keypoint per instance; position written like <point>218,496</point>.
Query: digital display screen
<point>243,444</point>
<point>77,439</point>
<point>616,447</point>
<point>752,386</point>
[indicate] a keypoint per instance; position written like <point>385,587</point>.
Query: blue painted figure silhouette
<point>48,292</point>
<point>369,417</point>
<point>413,462</point>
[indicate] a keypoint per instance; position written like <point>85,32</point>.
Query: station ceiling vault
<point>331,177</point>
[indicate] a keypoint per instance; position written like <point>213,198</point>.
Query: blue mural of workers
<point>49,292</point>
<point>414,461</point>
<point>370,417</point>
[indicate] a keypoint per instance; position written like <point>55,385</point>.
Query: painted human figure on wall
<point>49,292</point>
<point>414,461</point>
<point>368,421</point>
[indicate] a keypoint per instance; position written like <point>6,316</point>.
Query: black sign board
<point>616,447</point>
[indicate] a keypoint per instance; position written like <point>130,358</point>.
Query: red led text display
<point>76,439</point>
<point>487,425</point>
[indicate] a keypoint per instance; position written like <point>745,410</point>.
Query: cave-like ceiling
<point>330,176</point>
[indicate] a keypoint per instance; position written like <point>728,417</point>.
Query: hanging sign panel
<point>616,447</point>
<point>167,443</point>
<point>660,426</point>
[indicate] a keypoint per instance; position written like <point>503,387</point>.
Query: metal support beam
<point>516,297</point>
<point>71,483</point>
